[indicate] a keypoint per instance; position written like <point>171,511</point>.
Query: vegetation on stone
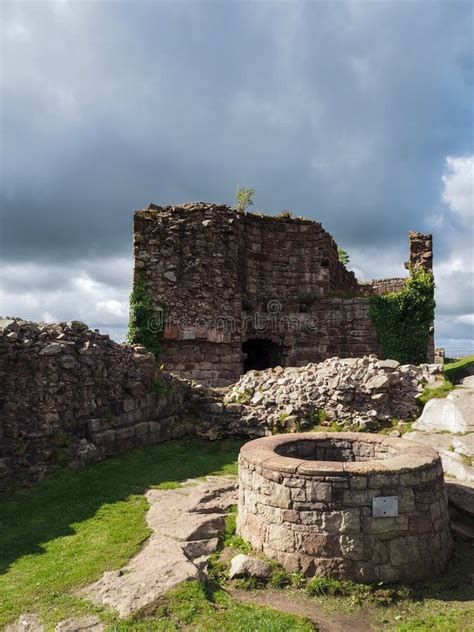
<point>404,319</point>
<point>431,392</point>
<point>343,256</point>
<point>145,325</point>
<point>243,198</point>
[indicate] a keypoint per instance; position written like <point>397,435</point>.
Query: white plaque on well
<point>385,507</point>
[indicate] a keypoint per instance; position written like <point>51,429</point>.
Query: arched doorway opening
<point>260,353</point>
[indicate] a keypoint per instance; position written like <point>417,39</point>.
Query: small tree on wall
<point>343,256</point>
<point>243,198</point>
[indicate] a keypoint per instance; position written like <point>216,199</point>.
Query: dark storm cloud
<point>342,112</point>
<point>345,112</point>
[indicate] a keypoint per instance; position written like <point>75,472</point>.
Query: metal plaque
<point>385,507</point>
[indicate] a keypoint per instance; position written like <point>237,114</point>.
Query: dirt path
<point>303,606</point>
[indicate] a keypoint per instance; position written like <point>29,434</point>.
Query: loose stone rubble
<point>186,524</point>
<point>355,392</point>
<point>305,500</point>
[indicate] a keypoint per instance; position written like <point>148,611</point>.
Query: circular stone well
<point>349,505</point>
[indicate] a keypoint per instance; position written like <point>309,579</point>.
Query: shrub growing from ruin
<point>343,256</point>
<point>243,198</point>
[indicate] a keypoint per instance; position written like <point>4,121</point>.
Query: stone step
<point>454,450</point>
<point>461,495</point>
<point>462,531</point>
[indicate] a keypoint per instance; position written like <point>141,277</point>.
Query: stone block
<point>142,429</point>
<point>357,548</point>
<point>385,525</point>
<point>318,492</point>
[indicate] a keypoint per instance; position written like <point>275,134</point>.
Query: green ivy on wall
<point>403,319</point>
<point>145,324</point>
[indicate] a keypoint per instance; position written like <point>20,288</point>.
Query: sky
<point>356,114</point>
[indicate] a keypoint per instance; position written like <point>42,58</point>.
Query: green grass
<point>73,526</point>
<point>192,606</point>
<point>388,425</point>
<point>68,530</point>
<point>454,371</point>
<point>450,622</point>
<point>438,392</point>
<point>230,538</point>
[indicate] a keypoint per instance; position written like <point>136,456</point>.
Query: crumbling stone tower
<point>239,291</point>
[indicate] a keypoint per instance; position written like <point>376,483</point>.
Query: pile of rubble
<point>357,393</point>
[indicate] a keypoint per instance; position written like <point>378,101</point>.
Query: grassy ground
<point>456,370</point>
<point>436,392</point>
<point>453,372</point>
<point>72,527</point>
<point>193,606</point>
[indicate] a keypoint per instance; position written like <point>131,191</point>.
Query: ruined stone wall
<point>382,286</point>
<point>421,250</point>
<point>223,277</point>
<point>188,257</point>
<point>291,261</point>
<point>71,395</point>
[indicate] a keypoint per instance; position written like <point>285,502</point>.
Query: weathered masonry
<point>348,505</point>
<point>242,291</point>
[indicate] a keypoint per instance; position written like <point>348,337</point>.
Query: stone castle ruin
<point>224,292</point>
<point>240,291</point>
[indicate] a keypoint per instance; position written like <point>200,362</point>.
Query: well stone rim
<point>408,458</point>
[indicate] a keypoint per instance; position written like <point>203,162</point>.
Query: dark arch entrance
<point>260,354</point>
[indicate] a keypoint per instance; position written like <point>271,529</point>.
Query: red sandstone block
<point>256,457</point>
<point>363,468</point>
<point>283,464</point>
<point>313,468</point>
<point>170,332</point>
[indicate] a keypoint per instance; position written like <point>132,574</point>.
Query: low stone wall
<point>305,500</point>
<point>382,286</point>
<point>70,395</point>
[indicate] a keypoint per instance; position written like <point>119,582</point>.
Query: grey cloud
<point>343,112</point>
<point>340,113</point>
